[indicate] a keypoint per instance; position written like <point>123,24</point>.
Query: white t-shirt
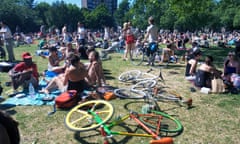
<point>6,32</point>
<point>153,33</point>
<point>81,33</point>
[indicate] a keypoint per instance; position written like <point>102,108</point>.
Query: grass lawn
<point>214,118</point>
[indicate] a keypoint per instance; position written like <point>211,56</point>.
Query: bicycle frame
<point>134,116</point>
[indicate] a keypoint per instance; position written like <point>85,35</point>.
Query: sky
<point>77,2</point>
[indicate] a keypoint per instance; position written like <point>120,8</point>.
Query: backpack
<point>67,99</point>
<point>153,47</point>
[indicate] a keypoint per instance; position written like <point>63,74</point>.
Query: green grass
<point>214,118</point>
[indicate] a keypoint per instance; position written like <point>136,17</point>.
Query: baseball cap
<point>26,55</point>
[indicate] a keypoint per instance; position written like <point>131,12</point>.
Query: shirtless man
<point>95,70</point>
<point>76,76</point>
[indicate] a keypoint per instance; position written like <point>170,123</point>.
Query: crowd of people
<point>59,45</point>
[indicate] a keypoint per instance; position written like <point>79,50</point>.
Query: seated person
<point>95,70</point>
<point>54,61</point>
<point>235,81</point>
<point>205,72</point>
<point>43,44</point>
<point>190,53</point>
<point>69,49</point>
<point>113,48</point>
<point>168,52</point>
<point>76,76</point>
<point>57,82</point>
<point>231,66</point>
<point>192,65</point>
<point>24,73</point>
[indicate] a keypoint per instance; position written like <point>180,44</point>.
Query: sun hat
<point>26,55</point>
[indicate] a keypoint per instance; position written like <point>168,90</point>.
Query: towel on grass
<point>23,98</point>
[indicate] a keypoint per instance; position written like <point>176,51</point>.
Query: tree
<point>227,11</point>
<point>41,10</point>
<point>101,17</point>
<point>17,13</point>
<point>121,12</point>
<point>192,15</point>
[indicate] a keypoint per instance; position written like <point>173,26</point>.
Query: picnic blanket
<point>23,98</point>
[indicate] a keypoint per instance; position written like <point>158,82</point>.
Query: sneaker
<point>12,92</point>
<point>147,64</point>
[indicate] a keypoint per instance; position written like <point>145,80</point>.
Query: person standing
<point>152,36</point>
<point>129,40</point>
<point>81,34</point>
<point>8,40</point>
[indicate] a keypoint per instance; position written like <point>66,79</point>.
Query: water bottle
<point>31,90</point>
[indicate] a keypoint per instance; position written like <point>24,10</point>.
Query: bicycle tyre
<point>129,75</point>
<point>142,85</point>
<point>137,56</point>
<point>167,97</point>
<point>129,94</point>
<point>79,119</point>
<point>168,124</point>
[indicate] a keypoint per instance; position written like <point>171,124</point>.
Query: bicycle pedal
<point>188,103</point>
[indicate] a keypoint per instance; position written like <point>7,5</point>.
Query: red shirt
<point>20,67</point>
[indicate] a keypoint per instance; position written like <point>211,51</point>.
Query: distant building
<point>92,4</point>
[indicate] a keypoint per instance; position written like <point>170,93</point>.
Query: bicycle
<point>139,55</point>
<point>92,118</point>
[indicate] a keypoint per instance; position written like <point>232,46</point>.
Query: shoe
<point>147,64</point>
<point>13,93</point>
<point>188,103</point>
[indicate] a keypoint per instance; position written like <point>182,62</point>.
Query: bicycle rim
<point>129,94</point>
<point>146,84</point>
<point>168,124</point>
<point>167,97</point>
<point>129,75</point>
<point>137,57</point>
<point>79,118</point>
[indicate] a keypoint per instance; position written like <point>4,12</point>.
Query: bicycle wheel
<point>129,94</point>
<point>143,85</point>
<point>137,56</point>
<point>168,97</point>
<point>168,123</point>
<point>165,96</point>
<point>80,118</point>
<point>129,75</point>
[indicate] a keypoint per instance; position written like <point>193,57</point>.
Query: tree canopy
<point>183,15</point>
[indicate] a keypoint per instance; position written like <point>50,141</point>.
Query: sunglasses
<point>230,55</point>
